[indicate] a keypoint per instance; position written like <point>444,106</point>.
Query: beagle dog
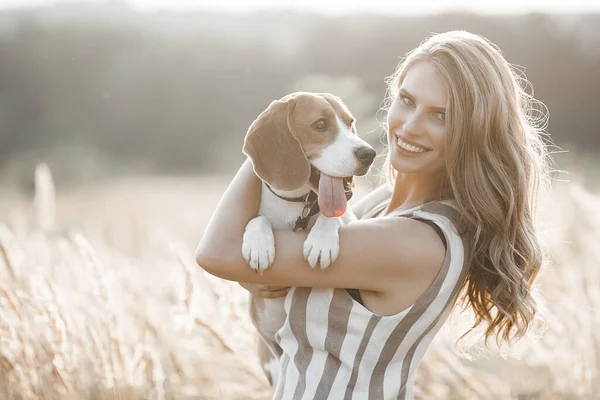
<point>305,149</point>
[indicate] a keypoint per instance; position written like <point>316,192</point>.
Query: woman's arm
<point>238,205</point>
<point>375,254</point>
<point>265,291</point>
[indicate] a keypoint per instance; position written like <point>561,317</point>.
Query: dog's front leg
<point>322,246</point>
<point>258,247</point>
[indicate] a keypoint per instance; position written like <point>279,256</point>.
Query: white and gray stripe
<point>335,348</point>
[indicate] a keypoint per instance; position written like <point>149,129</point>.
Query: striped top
<point>335,348</point>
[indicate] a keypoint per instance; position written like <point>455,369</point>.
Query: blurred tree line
<point>102,85</point>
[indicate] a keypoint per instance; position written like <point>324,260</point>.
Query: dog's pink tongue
<point>332,198</point>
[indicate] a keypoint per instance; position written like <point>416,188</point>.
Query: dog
<point>305,149</point>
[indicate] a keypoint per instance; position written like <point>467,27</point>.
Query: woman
<point>455,221</point>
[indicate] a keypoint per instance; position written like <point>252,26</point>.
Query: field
<point>100,298</point>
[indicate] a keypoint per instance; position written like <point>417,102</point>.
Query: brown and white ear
<point>333,100</point>
<point>276,154</point>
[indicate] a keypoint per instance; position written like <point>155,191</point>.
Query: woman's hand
<point>265,291</point>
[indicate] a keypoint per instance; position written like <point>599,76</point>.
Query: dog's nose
<point>365,155</point>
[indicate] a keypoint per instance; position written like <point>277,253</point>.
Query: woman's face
<point>417,122</point>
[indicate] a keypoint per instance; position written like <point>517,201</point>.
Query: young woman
<point>456,220</point>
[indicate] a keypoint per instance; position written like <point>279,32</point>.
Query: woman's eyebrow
<point>407,94</point>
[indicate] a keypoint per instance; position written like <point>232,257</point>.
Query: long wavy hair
<point>497,164</point>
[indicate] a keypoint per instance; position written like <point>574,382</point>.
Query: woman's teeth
<point>410,147</point>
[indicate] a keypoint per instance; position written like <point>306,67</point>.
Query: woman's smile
<point>408,147</point>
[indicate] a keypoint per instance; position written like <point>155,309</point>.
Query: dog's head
<point>304,130</point>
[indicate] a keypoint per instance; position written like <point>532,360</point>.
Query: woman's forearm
<point>236,208</point>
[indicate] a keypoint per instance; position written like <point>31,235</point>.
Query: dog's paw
<point>258,246</point>
<point>322,246</point>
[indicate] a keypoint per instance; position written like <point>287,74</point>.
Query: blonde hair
<point>496,163</point>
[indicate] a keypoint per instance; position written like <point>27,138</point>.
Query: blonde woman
<point>454,223</point>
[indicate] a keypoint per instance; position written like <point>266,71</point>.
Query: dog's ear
<point>276,154</point>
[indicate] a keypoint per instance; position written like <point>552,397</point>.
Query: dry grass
<point>100,298</point>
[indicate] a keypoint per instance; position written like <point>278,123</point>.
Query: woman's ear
<point>276,154</point>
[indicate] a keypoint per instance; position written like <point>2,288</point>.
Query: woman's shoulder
<point>452,227</point>
<point>375,197</point>
<point>447,209</point>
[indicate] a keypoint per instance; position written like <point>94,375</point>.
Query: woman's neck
<point>412,190</point>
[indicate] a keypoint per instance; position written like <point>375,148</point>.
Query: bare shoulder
<point>409,252</point>
<point>371,199</point>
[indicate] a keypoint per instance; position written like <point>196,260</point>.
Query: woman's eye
<point>406,100</point>
<point>441,116</point>
<point>319,125</point>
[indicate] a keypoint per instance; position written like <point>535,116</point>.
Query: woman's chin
<point>402,164</point>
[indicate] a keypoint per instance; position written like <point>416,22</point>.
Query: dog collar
<point>310,200</point>
<point>300,199</point>
<point>314,179</point>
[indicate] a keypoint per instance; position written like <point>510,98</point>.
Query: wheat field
<point>100,298</point>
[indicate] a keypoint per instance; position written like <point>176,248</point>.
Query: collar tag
<point>311,208</point>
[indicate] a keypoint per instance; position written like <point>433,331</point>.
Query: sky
<point>346,6</point>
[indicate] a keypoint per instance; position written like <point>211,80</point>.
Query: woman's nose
<point>412,125</point>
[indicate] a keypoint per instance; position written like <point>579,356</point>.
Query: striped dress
<point>335,348</point>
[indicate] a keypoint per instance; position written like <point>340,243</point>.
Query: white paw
<point>322,246</point>
<point>258,246</point>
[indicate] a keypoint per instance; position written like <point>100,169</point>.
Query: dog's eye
<point>319,125</point>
